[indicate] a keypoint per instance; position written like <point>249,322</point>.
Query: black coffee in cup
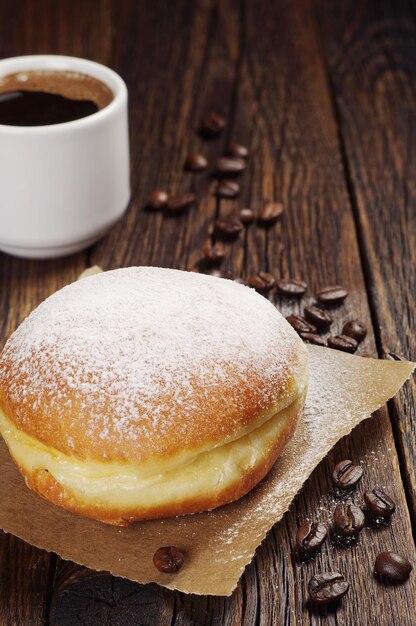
<point>45,97</point>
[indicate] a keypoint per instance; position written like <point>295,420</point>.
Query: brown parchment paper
<point>343,390</point>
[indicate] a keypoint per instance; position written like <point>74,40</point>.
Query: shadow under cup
<point>63,185</point>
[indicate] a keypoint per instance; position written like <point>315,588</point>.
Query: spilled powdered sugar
<point>125,352</point>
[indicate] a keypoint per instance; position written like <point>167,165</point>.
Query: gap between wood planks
<point>392,407</point>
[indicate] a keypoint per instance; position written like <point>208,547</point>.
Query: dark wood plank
<point>25,577</point>
<point>49,27</point>
<point>32,27</point>
<point>301,164</point>
<point>264,70</point>
<point>171,84</point>
<point>25,572</point>
<point>372,63</point>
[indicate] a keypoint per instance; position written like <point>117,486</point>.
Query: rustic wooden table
<point>324,95</point>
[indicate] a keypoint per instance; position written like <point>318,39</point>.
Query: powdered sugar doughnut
<point>147,392</point>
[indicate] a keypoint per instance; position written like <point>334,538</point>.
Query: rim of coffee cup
<point>60,63</point>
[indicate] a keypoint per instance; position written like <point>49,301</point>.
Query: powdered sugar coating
<point>142,361</point>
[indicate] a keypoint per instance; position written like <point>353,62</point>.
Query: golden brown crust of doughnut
<point>217,414</point>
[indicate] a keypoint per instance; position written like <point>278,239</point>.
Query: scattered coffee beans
<point>229,166</point>
<point>213,253</point>
<point>291,288</point>
<point>300,324</point>
<point>180,203</point>
<point>327,587</point>
<point>226,189</point>
<point>393,566</point>
<point>168,559</point>
<point>212,125</point>
<point>196,163</point>
<point>355,329</point>
<point>310,536</point>
<point>344,343</point>
<point>157,199</point>
<point>346,475</point>
<point>313,338</point>
<point>229,226</point>
<point>247,216</point>
<point>270,212</point>
<point>379,504</point>
<point>236,150</point>
<point>321,319</point>
<point>348,519</point>
<point>332,294</point>
<point>263,282</point>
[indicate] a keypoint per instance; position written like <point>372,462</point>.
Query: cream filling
<point>124,486</point>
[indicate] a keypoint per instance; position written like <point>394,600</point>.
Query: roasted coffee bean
<point>196,163</point>
<point>300,324</point>
<point>180,203</point>
<point>345,474</point>
<point>236,150</point>
<point>321,319</point>
<point>229,166</point>
<point>157,199</point>
<point>342,342</point>
<point>213,253</point>
<point>332,294</point>
<point>168,559</point>
<point>313,338</point>
<point>310,536</point>
<point>379,504</point>
<point>247,216</point>
<point>291,288</point>
<point>212,125</point>
<point>393,566</point>
<point>270,212</point>
<point>229,226</point>
<point>327,587</point>
<point>348,519</point>
<point>263,281</point>
<point>355,329</point>
<point>226,189</point>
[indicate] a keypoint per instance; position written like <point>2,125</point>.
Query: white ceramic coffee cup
<point>63,186</point>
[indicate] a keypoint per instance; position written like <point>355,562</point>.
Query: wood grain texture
<point>25,580</point>
<point>301,164</point>
<point>262,66</point>
<point>371,51</point>
<point>25,572</point>
<point>37,27</point>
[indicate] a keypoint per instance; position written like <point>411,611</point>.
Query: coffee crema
<point>46,97</point>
